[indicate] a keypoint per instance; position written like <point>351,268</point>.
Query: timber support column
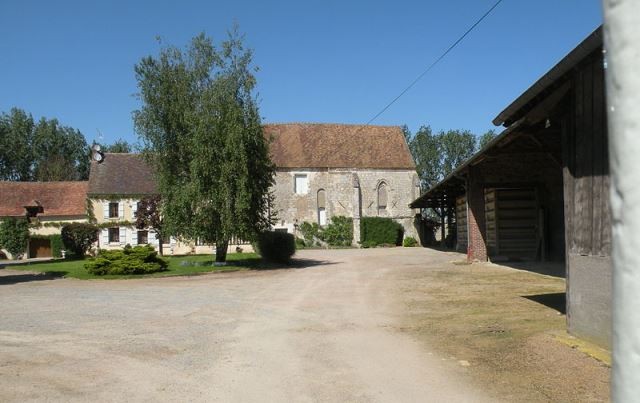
<point>476,225</point>
<point>357,208</point>
<point>621,31</point>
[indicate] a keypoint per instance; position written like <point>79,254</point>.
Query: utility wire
<point>432,65</point>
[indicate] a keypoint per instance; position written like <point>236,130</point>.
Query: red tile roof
<point>56,198</point>
<point>322,145</point>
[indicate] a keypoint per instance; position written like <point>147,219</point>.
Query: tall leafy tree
<point>43,151</point>
<point>16,155</point>
<point>201,129</point>
<point>486,138</point>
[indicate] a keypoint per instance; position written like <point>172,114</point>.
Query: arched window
<point>382,197</point>
<point>322,211</point>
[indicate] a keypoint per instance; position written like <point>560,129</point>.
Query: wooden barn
<point>540,190</point>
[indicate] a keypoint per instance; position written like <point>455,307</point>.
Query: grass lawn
<point>75,268</point>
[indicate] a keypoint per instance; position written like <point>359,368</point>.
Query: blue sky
<point>320,61</point>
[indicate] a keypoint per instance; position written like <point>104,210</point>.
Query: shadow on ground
<point>293,264</point>
<point>553,269</point>
<point>28,277</point>
<point>557,301</point>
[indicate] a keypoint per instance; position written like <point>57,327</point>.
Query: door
<point>39,247</point>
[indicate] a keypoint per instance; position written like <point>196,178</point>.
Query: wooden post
<point>622,30</point>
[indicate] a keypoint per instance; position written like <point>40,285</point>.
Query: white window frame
<point>302,189</point>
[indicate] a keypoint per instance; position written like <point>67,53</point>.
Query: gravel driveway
<point>327,331</point>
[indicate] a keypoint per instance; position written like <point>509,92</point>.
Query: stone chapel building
<point>326,170</point>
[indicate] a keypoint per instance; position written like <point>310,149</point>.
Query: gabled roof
<point>121,174</point>
<point>324,145</point>
<point>55,198</point>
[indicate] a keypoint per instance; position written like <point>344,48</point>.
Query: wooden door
<point>516,223</point>
<point>39,248</point>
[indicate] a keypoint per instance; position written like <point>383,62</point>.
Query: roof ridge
<point>328,124</point>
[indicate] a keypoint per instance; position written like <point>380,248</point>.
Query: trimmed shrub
<point>78,238</point>
<point>409,242</point>
<point>141,259</point>
<point>276,246</point>
<point>14,235</point>
<point>380,230</point>
<point>339,232</point>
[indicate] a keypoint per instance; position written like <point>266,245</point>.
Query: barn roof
<point>55,198</point>
<point>325,145</point>
<point>121,174</point>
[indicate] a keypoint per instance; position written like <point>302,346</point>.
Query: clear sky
<point>320,61</point>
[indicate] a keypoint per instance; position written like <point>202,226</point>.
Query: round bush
<point>276,246</point>
<point>78,237</point>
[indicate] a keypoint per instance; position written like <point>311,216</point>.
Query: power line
<point>432,65</point>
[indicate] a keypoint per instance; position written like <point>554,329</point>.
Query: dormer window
<point>113,210</point>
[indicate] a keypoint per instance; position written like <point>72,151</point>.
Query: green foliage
<point>437,155</point>
<point>369,244</point>
<point>118,146</point>
<point>42,151</point>
<point>339,232</point>
<point>409,242</point>
<point>380,231</point>
<point>486,138</point>
<point>78,237</point>
<point>56,243</point>
<point>276,246</point>
<point>201,129</point>
<point>136,260</point>
<point>14,235</point>
<point>310,232</point>
<point>300,243</point>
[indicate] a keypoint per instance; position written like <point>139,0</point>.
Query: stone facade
<point>347,192</point>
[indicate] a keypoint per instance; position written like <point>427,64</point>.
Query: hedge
<point>78,238</point>
<point>379,231</point>
<point>276,246</point>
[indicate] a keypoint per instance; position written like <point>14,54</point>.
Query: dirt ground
<point>346,325</point>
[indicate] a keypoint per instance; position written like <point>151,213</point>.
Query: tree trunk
<point>221,251</point>
<point>160,245</point>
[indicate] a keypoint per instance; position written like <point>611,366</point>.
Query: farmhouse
<point>540,190</point>
<point>326,170</point>
<point>48,206</point>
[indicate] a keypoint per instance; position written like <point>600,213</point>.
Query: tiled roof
<point>121,174</point>
<point>55,198</point>
<point>321,145</point>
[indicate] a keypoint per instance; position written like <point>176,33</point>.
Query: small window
<point>135,213</point>
<point>114,234</point>
<point>143,237</point>
<point>281,230</point>
<point>166,239</point>
<point>301,185</point>
<point>322,217</point>
<point>322,212</point>
<point>113,210</point>
<point>382,197</point>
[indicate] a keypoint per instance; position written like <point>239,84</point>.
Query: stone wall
<point>348,192</point>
